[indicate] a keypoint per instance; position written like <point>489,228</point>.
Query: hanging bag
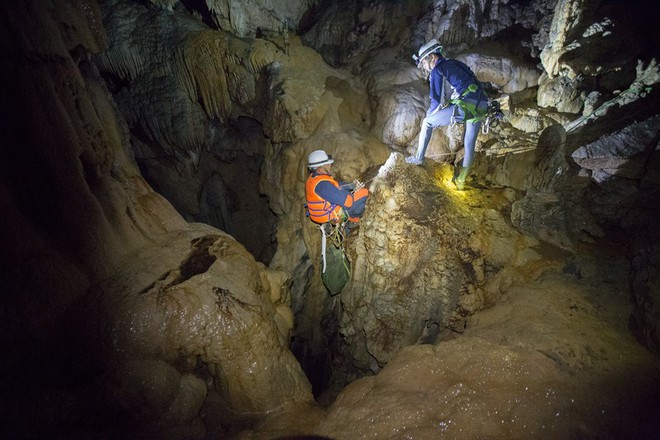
<point>335,267</point>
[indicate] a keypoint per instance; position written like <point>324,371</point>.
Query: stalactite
<point>199,65</point>
<point>209,64</point>
<point>218,7</point>
<point>261,55</point>
<point>123,62</point>
<point>123,57</point>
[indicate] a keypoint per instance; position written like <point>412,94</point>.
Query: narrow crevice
<point>199,260</point>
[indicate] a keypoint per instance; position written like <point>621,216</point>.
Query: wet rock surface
<point>216,324</point>
<point>552,358</point>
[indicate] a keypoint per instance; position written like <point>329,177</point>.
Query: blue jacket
<point>458,75</point>
<point>334,195</point>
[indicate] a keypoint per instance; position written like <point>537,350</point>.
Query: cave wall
<point>542,60</point>
<point>105,283</point>
<point>189,96</point>
<point>73,197</point>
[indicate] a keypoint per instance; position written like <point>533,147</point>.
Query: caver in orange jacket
<point>322,210</point>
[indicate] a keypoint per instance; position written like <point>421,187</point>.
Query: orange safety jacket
<point>320,210</point>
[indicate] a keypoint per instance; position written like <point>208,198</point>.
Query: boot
<point>349,226</point>
<point>413,160</point>
<point>460,174</point>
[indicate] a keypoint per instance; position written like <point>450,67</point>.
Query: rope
<point>336,235</point>
<point>323,246</point>
<point>440,155</point>
<point>369,180</point>
<point>636,89</point>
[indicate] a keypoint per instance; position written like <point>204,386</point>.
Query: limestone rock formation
<point>624,153</point>
<point>506,74</point>
<point>249,18</point>
<point>182,331</point>
<point>122,318</point>
<point>346,31</point>
<point>508,376</point>
<point>424,262</point>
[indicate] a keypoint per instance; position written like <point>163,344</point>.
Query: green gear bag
<point>337,271</point>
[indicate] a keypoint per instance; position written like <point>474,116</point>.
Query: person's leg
<point>470,140</point>
<point>437,119</point>
<point>356,210</point>
<point>359,202</point>
<point>424,137</point>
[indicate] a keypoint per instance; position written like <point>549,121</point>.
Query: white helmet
<point>431,47</point>
<point>318,158</point>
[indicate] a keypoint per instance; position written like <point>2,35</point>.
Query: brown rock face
<point>118,316</point>
<point>214,319</point>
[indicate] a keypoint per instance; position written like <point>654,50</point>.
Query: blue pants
<point>359,203</point>
<point>444,117</point>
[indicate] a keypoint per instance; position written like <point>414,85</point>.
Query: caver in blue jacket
<point>468,103</point>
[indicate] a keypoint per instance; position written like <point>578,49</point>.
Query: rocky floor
<point>552,359</point>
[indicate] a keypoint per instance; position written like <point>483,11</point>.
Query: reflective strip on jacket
<point>320,210</point>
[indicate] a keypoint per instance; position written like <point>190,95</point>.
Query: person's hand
<point>358,184</point>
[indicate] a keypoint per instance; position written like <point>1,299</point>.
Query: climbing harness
<point>335,266</point>
<point>469,108</point>
<point>490,117</point>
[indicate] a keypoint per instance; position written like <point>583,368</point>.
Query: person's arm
<point>435,91</point>
<point>327,191</point>
<point>349,186</point>
<point>446,93</point>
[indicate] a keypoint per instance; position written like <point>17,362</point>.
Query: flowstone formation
<point>552,358</point>
<point>199,342</point>
<point>426,259</point>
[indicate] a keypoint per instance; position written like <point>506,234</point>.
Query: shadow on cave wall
<point>221,188</point>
